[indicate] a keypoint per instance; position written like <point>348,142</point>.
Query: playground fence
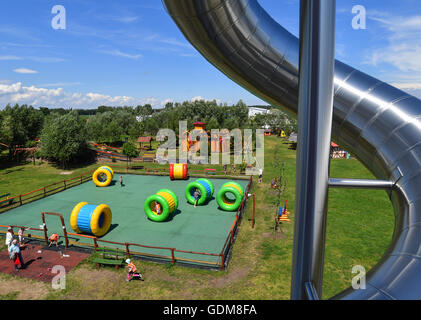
<point>167,255</point>
<point>232,236</point>
<point>21,199</point>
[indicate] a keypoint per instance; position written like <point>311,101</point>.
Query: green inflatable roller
<point>205,188</point>
<point>209,183</point>
<point>159,206</point>
<point>226,203</point>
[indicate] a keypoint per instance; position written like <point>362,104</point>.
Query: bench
<point>210,171</point>
<point>113,257</point>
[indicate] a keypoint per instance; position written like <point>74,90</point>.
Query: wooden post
<point>45,229</point>
<point>66,243</point>
<point>45,193</point>
<point>222,262</point>
<point>20,199</point>
<point>172,255</point>
<point>254,209</point>
<point>127,250</point>
<point>66,240</point>
<point>95,245</point>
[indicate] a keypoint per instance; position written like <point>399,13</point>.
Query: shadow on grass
<point>7,164</point>
<point>13,170</point>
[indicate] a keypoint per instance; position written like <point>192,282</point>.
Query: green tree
<point>110,126</point>
<point>18,125</point>
<point>63,138</point>
<point>213,124</point>
<point>130,150</point>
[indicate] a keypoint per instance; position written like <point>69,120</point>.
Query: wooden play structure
<point>216,141</point>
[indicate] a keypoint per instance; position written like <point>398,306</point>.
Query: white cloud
<point>46,59</point>
<point>4,58</point>
<point>126,19</point>
<point>52,98</point>
<point>408,86</point>
<point>61,84</point>
<point>119,53</point>
<point>25,71</point>
<point>166,101</point>
<point>32,58</point>
<point>199,98</point>
<point>404,37</point>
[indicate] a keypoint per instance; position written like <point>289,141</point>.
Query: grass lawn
<point>359,228</point>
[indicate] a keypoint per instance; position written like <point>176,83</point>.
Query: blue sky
<point>130,52</point>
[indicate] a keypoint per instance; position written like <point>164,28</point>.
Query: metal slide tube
<point>315,109</point>
<point>376,122</point>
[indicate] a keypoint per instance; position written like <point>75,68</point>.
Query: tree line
<point>63,133</point>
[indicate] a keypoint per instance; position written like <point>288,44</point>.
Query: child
<point>20,235</point>
<point>133,273</point>
<point>157,208</point>
<point>9,237</point>
<point>54,238</point>
<point>196,196</point>
<point>274,183</point>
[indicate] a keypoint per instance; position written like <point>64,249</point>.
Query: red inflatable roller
<point>178,171</point>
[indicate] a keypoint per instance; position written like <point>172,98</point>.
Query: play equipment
<point>226,203</point>
<point>91,218</point>
<point>206,190</point>
<point>167,202</point>
<point>178,171</point>
<point>199,129</point>
<point>283,213</point>
<point>103,176</point>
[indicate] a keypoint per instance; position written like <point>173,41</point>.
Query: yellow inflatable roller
<point>103,176</point>
<point>91,219</point>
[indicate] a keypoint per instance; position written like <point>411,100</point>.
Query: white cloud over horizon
<point>199,98</point>
<point>12,93</point>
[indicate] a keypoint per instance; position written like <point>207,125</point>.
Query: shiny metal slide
<point>378,123</point>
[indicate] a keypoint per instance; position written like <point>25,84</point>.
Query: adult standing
<point>14,251</point>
